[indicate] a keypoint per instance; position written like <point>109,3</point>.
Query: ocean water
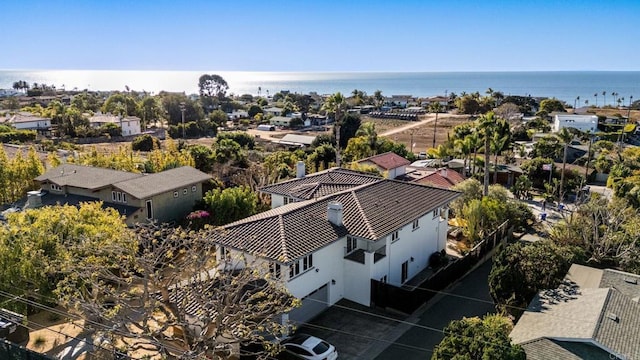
<point>563,85</point>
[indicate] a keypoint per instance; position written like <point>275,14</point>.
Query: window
<point>185,191</point>
<point>383,279</point>
<point>117,196</point>
<point>288,200</point>
<point>395,236</point>
<point>436,213</point>
<point>307,262</point>
<point>274,269</point>
<point>56,187</point>
<point>405,272</point>
<point>224,253</point>
<point>194,188</point>
<point>149,210</point>
<point>294,269</point>
<point>175,194</point>
<point>416,224</point>
<point>352,244</point>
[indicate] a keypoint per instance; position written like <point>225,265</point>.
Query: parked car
<point>303,346</point>
<point>422,155</point>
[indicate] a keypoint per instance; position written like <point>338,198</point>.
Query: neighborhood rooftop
<point>596,307</point>
<point>320,184</point>
<point>387,161</point>
<point>138,185</point>
<point>153,184</point>
<point>371,211</point>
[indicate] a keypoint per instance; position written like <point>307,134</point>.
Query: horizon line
<point>324,71</point>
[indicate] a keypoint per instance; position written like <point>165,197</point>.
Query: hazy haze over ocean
<point>564,85</point>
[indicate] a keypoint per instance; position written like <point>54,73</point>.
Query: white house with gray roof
<point>594,314</point>
<point>164,196</point>
<point>329,247</point>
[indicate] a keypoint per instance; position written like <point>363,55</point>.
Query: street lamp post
<point>182,109</point>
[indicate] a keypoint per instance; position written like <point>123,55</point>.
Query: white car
<point>305,346</point>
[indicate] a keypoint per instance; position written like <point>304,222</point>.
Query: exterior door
<point>405,272</point>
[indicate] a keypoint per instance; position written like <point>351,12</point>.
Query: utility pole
<point>182,109</point>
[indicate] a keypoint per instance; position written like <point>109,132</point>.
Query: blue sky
<point>333,35</point>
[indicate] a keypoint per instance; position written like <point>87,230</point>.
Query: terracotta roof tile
<point>387,161</point>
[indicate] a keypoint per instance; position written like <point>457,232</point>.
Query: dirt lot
<point>423,134</point>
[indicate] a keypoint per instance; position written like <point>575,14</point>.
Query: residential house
<point>296,140</point>
<point>594,314</point>
<point>281,121</point>
<point>331,247</point>
<point>238,114</point>
<point>130,125</point>
<point>580,122</point>
<point>316,185</point>
<point>28,121</point>
<point>273,111</point>
<point>165,196</point>
<point>390,164</point>
<point>442,178</point>
<point>398,101</point>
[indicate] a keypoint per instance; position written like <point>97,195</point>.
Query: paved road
<point>439,313</point>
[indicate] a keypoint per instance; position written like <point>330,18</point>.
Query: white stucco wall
<point>328,264</point>
<point>276,200</point>
<point>130,127</point>
<point>36,124</point>
<point>418,244</point>
<point>580,122</point>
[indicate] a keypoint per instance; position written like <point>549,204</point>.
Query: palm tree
<point>596,95</point>
<point>465,148</point>
<point>368,130</point>
<point>486,125</point>
<point>565,136</point>
<point>335,104</point>
<point>474,142</point>
<point>436,108</point>
<point>604,98</point>
<point>497,145</point>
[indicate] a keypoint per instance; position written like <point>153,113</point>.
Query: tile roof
<point>87,177</point>
<point>443,178</point>
<point>371,211</point>
<point>158,183</point>
<point>387,161</point>
<point>320,184</point>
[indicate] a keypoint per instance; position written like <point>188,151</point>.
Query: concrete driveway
<point>351,328</point>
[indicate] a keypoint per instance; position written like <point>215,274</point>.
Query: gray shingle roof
<point>600,309</point>
<point>86,177</point>
<point>621,335</point>
<point>371,211</point>
<point>320,184</point>
<point>547,349</point>
<point>158,183</point>
<point>138,185</point>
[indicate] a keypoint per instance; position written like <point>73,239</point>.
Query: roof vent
<point>629,280</point>
<point>613,317</point>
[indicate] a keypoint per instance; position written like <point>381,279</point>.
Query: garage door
<point>312,305</point>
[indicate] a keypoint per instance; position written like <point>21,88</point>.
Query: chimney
<point>334,213</point>
<point>300,170</point>
<point>34,199</point>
